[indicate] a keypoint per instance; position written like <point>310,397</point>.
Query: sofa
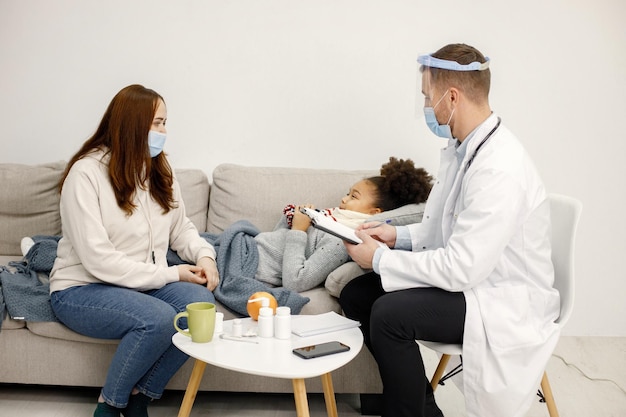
<point>48,353</point>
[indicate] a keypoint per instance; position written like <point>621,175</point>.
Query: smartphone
<point>323,349</point>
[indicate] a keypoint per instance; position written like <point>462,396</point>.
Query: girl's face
<point>361,198</point>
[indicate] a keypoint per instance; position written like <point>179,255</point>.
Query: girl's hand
<point>300,220</point>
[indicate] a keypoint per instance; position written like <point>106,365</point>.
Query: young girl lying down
<point>299,257</point>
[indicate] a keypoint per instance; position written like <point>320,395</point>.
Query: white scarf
<point>348,218</point>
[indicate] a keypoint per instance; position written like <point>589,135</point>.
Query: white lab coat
<point>485,232</point>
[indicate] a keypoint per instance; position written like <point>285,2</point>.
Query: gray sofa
<point>48,353</point>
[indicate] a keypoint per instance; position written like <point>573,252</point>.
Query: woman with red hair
<point>121,208</point>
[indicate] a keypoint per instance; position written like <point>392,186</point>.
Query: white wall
<point>332,83</point>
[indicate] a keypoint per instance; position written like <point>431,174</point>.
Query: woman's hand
<point>191,273</point>
<point>209,272</point>
<point>205,273</point>
<point>300,220</point>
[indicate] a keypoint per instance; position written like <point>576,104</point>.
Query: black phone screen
<point>323,349</point>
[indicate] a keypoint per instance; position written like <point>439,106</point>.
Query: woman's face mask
<point>156,141</point>
<point>442,131</point>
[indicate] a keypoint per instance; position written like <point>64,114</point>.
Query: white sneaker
<point>26,244</point>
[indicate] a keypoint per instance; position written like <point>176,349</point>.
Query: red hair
<point>123,134</point>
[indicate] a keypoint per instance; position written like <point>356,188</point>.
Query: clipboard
<point>328,225</point>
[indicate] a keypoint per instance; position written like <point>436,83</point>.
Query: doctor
<point>476,271</point>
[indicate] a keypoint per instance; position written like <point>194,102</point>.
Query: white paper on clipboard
<point>328,225</point>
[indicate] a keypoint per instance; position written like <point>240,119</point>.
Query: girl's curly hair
<point>400,183</point>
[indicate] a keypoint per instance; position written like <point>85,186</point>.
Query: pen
<point>237,339</point>
<point>388,221</point>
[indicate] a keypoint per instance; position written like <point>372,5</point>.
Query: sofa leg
<point>371,404</point>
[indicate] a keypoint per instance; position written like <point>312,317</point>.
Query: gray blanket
<point>237,261</point>
<point>25,296</point>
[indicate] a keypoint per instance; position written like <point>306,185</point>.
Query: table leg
<point>192,388</point>
<point>299,393</point>
<point>329,395</point>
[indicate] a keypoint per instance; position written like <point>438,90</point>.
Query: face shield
<point>429,61</point>
<point>423,96</point>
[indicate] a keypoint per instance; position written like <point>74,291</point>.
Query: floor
<point>587,374</point>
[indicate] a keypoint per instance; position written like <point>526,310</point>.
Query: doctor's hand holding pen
<point>382,231</point>
<point>374,235</point>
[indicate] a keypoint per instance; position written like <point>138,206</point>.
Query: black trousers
<point>391,322</point>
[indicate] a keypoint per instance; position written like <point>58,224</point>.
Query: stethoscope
<point>469,161</point>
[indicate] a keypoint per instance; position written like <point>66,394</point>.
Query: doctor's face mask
<point>443,131</point>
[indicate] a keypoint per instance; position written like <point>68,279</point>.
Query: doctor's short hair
<point>475,84</point>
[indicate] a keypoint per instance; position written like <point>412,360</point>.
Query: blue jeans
<point>145,359</point>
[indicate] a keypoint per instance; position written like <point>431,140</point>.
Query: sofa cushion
<point>29,204</point>
<point>58,331</point>
<point>5,259</point>
<point>195,188</point>
<point>320,302</point>
<point>38,212</point>
<point>259,194</point>
<point>345,273</point>
<point>408,214</point>
<point>9,324</point>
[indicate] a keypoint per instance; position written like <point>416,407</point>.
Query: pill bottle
<point>237,328</point>
<point>266,321</point>
<point>282,323</point>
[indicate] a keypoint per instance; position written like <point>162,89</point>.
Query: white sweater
<point>102,244</point>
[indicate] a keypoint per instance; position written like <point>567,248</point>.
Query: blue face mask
<point>443,131</point>
<point>156,141</point>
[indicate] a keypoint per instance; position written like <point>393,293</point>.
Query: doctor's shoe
<point>430,406</point>
<point>106,410</point>
<point>137,406</point>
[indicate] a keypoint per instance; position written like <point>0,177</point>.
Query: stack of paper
<point>310,325</point>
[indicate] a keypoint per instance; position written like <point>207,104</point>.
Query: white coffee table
<point>271,358</point>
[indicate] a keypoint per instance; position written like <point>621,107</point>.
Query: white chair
<point>565,213</point>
